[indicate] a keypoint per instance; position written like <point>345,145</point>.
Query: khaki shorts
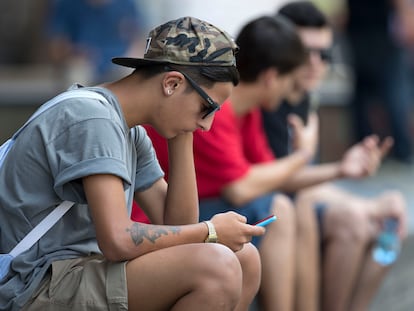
<point>89,283</point>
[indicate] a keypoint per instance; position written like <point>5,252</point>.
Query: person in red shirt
<point>236,169</point>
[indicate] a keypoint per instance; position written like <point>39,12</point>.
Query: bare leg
<point>277,251</point>
<point>186,277</point>
<point>350,278</point>
<point>251,267</point>
<point>372,274</point>
<point>307,257</point>
<point>341,262</point>
<point>346,234</point>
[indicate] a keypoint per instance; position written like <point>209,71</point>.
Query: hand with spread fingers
<point>305,137</point>
<point>363,159</point>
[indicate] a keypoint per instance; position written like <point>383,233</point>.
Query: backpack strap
<point>59,98</point>
<point>41,228</point>
<point>6,146</point>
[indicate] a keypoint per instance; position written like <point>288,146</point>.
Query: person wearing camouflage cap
<point>90,149</point>
<point>179,42</point>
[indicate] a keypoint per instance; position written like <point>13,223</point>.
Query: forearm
<point>136,239</point>
<point>182,197</point>
<point>312,175</point>
<point>264,178</point>
<point>119,238</point>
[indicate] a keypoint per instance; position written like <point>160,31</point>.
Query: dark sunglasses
<point>211,105</point>
<point>324,54</point>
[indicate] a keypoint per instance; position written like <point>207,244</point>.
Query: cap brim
<point>135,62</point>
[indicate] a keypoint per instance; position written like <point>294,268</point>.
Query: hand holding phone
<point>265,221</point>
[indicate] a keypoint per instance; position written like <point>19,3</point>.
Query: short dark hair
<point>203,75</point>
<point>265,42</point>
<point>304,14</point>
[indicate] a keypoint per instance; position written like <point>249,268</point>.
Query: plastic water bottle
<point>388,245</point>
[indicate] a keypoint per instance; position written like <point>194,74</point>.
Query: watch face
<point>212,238</point>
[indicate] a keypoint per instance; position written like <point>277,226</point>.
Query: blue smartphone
<point>265,221</point>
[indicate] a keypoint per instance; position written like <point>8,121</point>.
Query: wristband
<point>212,235</point>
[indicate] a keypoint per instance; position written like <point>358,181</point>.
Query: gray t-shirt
<point>76,138</point>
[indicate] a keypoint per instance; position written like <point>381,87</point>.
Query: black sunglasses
<point>324,54</point>
<point>211,105</point>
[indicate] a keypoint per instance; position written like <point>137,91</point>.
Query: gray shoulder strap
<point>58,99</point>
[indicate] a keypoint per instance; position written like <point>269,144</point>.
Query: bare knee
<point>285,226</point>
<point>251,264</point>
<point>185,277</point>
<point>223,274</point>
<point>347,224</point>
<point>283,208</point>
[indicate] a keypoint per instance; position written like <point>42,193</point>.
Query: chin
<point>169,135</point>
<point>173,134</point>
<point>163,132</point>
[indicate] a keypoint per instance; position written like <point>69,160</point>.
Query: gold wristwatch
<point>212,235</point>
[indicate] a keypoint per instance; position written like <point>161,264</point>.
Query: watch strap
<point>212,234</point>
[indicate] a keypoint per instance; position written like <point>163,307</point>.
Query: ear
<point>171,82</point>
<point>269,76</point>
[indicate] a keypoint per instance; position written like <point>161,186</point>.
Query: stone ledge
<point>29,84</point>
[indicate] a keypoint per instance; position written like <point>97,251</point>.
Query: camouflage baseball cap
<point>185,41</point>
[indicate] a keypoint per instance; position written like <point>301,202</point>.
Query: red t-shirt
<point>221,155</point>
<point>226,152</point>
<point>138,215</point>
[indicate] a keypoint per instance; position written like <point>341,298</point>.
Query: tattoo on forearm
<point>139,232</point>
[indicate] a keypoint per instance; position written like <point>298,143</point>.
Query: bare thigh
<point>157,280</point>
<point>346,216</point>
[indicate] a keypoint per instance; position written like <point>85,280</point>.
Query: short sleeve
<point>92,146</point>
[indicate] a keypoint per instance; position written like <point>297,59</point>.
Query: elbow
<point>237,195</point>
<point>113,254</point>
<point>113,251</point>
